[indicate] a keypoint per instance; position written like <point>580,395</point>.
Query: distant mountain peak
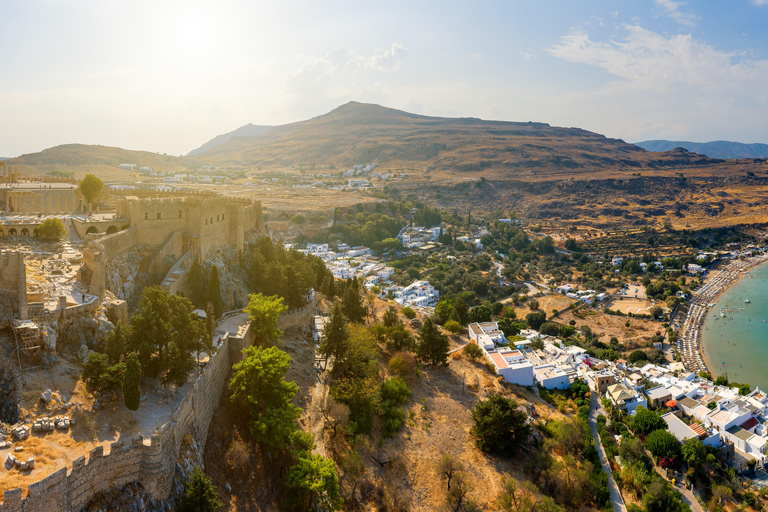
<point>715,149</point>
<point>248,130</point>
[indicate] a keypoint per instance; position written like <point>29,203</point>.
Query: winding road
<point>616,499</point>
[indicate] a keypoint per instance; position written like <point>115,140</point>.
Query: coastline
<point>690,342</point>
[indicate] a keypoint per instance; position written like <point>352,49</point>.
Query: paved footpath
<point>616,500</point>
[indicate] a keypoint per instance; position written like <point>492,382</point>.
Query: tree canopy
<point>264,313</point>
<point>90,186</point>
<point>499,427</point>
<point>645,421</point>
<point>164,333</point>
<point>259,385</point>
<point>51,228</point>
<point>433,345</point>
<point>132,382</point>
<point>199,494</point>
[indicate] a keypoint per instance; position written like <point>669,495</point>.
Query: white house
<point>616,261</point>
<point>512,365</point>
<point>551,376</point>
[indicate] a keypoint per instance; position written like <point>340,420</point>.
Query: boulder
<point>45,396</point>
<point>82,353</point>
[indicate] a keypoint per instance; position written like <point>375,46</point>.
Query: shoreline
<point>690,342</point>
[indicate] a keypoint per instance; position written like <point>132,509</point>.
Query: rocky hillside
<point>359,133</point>
<point>248,130</point>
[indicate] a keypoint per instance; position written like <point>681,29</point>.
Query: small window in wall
<point>179,213</point>
<point>211,219</point>
<point>222,216</point>
<point>206,222</point>
<point>146,216</point>
<point>158,215</point>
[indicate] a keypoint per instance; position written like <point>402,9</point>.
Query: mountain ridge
<point>247,130</point>
<point>722,149</point>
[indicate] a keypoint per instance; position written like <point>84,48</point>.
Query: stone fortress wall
<point>149,461</point>
<point>172,226</point>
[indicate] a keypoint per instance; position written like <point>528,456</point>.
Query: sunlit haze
<point>167,76</point>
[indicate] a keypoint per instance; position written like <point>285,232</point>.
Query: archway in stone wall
<point>111,230</point>
<point>24,232</point>
<point>12,232</point>
<point>91,229</point>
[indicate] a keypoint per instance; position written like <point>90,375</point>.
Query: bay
<point>740,339</point>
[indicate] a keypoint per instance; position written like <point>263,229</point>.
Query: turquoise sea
<point>741,338</point>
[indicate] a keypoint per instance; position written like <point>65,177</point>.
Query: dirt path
<point>616,499</point>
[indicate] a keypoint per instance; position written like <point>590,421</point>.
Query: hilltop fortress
<point>185,227</point>
<point>61,293</point>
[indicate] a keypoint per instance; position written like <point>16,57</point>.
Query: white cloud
<point>655,62</point>
<point>761,2</point>
<point>342,63</point>
<point>672,9</point>
<point>385,60</point>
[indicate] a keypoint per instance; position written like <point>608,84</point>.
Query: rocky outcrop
<point>125,277</point>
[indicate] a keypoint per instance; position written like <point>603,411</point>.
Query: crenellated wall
<point>149,461</point>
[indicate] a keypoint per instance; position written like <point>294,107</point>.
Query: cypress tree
<point>214,291</point>
<point>199,494</point>
<point>197,284</point>
<point>335,342</point>
<point>433,345</point>
<point>132,382</point>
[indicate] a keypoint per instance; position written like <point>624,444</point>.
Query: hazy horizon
<point>169,77</point>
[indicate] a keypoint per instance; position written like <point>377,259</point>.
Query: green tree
<point>298,219</point>
<point>213,292</point>
<point>335,341</point>
<point>264,312</point>
<point>164,333</point>
<point>132,382</point>
<point>352,302</point>
<point>662,444</point>
<point>99,376</point>
<point>480,314</point>
<point>116,342</point>
<point>51,228</point>
<point>393,393</point>
<point>399,338</point>
<point>197,284</point>
<point>408,313</point>
<point>90,186</point>
<point>472,351</point>
<point>535,319</point>
<point>314,483</point>
<point>499,427</point>
<point>259,385</point>
<point>694,452</point>
<point>199,494</point>
<point>644,421</point>
<point>453,327</point>
<point>433,345</point>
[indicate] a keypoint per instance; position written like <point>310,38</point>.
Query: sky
<point>166,76</point>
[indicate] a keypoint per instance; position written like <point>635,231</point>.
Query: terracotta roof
<point>698,429</point>
<point>749,424</point>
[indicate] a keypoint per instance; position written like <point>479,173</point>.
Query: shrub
<point>393,393</point>
<point>473,351</point>
<point>403,364</point>
<point>453,327</point>
<point>51,228</point>
<point>408,313</point>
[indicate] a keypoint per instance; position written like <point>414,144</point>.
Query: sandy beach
<point>689,336</point>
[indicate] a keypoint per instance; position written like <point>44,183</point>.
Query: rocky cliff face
<point>125,277</point>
